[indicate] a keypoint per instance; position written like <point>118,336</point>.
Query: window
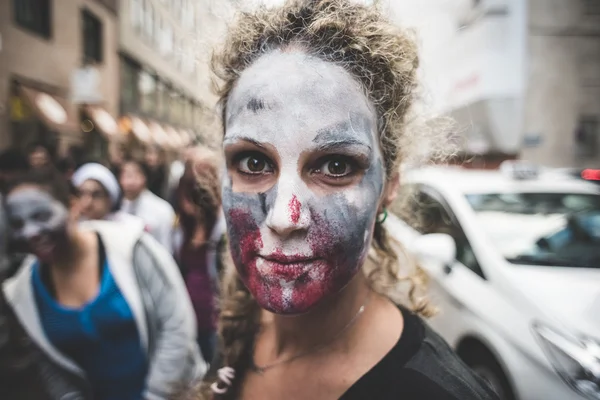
<point>147,90</point>
<point>160,99</point>
<point>189,110</point>
<point>136,14</point>
<point>92,37</point>
<point>198,115</point>
<point>149,21</point>
<point>541,229</point>
<point>129,82</point>
<point>586,136</point>
<point>166,40</point>
<point>159,24</point>
<point>188,61</point>
<point>188,16</point>
<point>178,56</point>
<point>434,216</point>
<point>34,15</point>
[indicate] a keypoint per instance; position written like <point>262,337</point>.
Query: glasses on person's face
<point>93,194</point>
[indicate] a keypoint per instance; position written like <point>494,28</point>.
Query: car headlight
<point>575,359</point>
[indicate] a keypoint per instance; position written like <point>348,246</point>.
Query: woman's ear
<point>391,190</point>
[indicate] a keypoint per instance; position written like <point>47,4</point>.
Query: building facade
<point>562,103</point>
<point>520,78</point>
<point>58,73</point>
<point>165,46</point>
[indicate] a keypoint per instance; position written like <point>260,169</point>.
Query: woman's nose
<point>289,212</point>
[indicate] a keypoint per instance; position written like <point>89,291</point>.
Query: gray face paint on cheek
<point>33,213</point>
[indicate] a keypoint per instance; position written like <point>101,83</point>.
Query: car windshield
<point>548,229</point>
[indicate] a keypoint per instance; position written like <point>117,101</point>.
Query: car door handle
<point>447,269</point>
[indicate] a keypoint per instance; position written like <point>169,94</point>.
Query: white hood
<point>570,296</point>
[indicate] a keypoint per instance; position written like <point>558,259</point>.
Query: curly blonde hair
<point>384,60</point>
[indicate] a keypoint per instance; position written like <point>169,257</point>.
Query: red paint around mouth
<point>289,272</point>
<point>281,258</point>
<point>289,284</point>
<point>294,208</point>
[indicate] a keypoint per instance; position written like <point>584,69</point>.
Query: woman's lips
<point>282,267</point>
<point>41,246</point>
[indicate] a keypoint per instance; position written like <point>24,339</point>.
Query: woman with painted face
<point>103,301</point>
<point>315,99</point>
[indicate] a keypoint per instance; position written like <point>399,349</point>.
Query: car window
<point>542,229</point>
<point>431,215</point>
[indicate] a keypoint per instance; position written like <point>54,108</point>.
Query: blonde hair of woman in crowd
<point>315,101</point>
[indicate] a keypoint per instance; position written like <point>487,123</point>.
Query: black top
<point>421,366</point>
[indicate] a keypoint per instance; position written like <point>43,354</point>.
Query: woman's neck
<point>78,247</point>
<point>296,334</point>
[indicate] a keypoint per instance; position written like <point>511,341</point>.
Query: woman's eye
<point>254,164</point>
<point>337,168</point>
<point>42,216</point>
<point>16,223</point>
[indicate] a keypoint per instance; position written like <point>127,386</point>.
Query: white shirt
<point>157,214</point>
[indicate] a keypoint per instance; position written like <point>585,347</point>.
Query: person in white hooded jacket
<point>103,301</point>
<point>99,194</point>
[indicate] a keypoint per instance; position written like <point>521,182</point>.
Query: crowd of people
<point>280,274</point>
<point>97,251</point>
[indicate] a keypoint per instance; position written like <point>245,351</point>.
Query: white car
<point>515,271</point>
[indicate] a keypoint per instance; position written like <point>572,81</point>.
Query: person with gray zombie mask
<point>25,374</point>
<point>315,97</point>
<point>103,301</point>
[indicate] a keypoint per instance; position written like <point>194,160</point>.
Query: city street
<point>300,199</point>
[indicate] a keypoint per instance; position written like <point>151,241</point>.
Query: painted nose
<point>30,231</point>
<point>288,214</point>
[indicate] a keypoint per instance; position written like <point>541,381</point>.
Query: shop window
<point>129,86</point>
<point>167,102</point>
<point>148,93</point>
<point>92,37</point>
<point>198,115</point>
<point>34,15</point>
<point>586,136</point>
<point>175,112</point>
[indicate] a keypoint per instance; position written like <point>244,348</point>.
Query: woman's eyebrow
<point>339,135</point>
<point>236,138</point>
<point>356,130</point>
<point>344,143</point>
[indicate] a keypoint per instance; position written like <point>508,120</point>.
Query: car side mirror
<point>437,247</point>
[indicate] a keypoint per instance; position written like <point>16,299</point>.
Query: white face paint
<point>305,179</point>
<point>37,221</point>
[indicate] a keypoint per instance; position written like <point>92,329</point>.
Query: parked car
<point>515,265</point>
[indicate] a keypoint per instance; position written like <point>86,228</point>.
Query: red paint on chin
<point>335,273</point>
<point>287,284</point>
<point>294,208</point>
